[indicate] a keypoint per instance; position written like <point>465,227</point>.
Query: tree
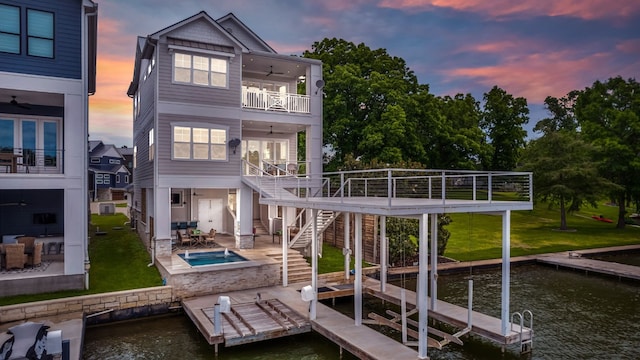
<point>503,119</point>
<point>563,116</point>
<point>609,117</point>
<point>564,172</point>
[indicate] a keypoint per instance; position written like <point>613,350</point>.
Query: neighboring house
<point>108,172</point>
<point>47,72</point>
<point>214,107</point>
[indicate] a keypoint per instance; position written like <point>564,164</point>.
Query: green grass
<point>477,237</point>
<point>332,260</point>
<point>118,262</point>
<point>122,205</point>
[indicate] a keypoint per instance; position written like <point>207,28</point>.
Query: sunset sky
<point>530,48</point>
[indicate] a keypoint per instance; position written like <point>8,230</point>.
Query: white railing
<point>443,185</point>
<point>275,101</point>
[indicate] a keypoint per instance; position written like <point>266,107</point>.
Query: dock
<point>483,325</point>
<point>362,341</point>
<point>575,260</point>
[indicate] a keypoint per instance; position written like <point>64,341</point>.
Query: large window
<point>199,143</point>
<point>9,29</point>
<point>36,140</point>
<point>39,33</point>
<point>200,70</point>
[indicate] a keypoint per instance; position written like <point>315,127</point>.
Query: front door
<point>210,212</point>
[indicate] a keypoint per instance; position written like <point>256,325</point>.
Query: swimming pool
<point>211,258</point>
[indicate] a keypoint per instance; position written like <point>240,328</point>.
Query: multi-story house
<point>215,108</point>
<point>108,172</point>
<point>47,72</point>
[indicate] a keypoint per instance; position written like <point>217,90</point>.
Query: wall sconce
<point>319,85</point>
<point>233,144</point>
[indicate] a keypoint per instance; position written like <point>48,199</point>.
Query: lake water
<point>575,317</point>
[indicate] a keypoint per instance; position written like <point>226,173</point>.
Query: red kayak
<point>601,218</point>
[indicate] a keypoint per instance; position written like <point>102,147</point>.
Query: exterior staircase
<point>302,239</point>
<point>299,270</point>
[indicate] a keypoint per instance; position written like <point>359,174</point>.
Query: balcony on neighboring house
<point>31,161</point>
<point>260,99</point>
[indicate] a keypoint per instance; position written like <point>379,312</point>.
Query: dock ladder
<point>526,321</point>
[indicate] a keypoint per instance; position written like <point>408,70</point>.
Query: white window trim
<point>200,53</point>
<point>204,126</point>
<point>179,204</point>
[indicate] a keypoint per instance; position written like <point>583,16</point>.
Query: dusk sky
<point>529,48</point>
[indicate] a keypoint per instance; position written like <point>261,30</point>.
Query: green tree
<point>503,119</point>
<point>564,173</point>
<point>609,117</point>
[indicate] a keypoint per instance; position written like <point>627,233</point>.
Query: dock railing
<point>443,185</point>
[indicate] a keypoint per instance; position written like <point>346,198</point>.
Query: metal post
<point>506,270</point>
<point>284,240</point>
<point>383,253</point>
<point>389,187</point>
<point>314,263</point>
<point>217,320</point>
<point>434,261</point>
<point>347,245</point>
<point>357,284</point>
<point>422,288</point>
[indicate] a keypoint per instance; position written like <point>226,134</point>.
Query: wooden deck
<point>575,260</point>
<point>483,325</point>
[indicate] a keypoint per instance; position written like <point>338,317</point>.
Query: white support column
<point>357,284</point>
<point>383,253</point>
<point>284,240</point>
<point>506,269</point>
<point>347,246</point>
<point>314,263</point>
<point>434,261</point>
<point>422,287</point>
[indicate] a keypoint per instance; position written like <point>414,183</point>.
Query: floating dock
<point>575,260</point>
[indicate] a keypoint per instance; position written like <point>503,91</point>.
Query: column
<point>506,269</point>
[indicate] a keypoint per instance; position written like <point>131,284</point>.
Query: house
<point>215,108</point>
<point>47,72</point>
<point>108,172</point>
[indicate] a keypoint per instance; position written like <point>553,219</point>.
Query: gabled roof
<point>108,169</point>
<point>101,150</point>
<point>230,23</point>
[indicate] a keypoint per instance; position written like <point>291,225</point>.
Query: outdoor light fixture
<point>233,144</point>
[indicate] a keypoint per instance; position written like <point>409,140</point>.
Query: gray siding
<point>243,36</point>
<point>196,167</point>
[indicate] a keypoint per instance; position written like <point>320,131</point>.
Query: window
<point>114,161</point>
<point>200,70</point>
<point>37,139</point>
<point>117,178</point>
<point>107,179</point>
<point>9,29</point>
<point>126,179</point>
<point>95,160</point>
<point>176,199</point>
<point>39,33</point>
<point>199,143</point>
<point>151,147</point>
<point>98,179</point>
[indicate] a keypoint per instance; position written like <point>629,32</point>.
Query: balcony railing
<point>275,101</point>
<point>31,161</point>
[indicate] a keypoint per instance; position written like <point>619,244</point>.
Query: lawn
<point>476,237</point>
<point>118,262</point>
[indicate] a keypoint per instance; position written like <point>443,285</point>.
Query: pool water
<point>211,258</point>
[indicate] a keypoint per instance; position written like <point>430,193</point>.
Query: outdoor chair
<point>28,242</point>
<point>183,240</point>
<point>35,259</point>
<point>15,257</point>
<point>210,237</point>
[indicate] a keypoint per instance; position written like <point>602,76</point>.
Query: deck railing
<point>275,101</point>
<point>444,185</point>
<point>31,161</point>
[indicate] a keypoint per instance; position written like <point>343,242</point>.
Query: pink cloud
<point>631,46</point>
<point>342,5</point>
<point>539,75</point>
<point>586,9</point>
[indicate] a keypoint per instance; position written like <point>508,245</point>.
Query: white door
<point>210,214</point>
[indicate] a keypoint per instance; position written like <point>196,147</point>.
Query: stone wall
<point>89,304</point>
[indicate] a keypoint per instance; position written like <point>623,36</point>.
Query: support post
<point>357,284</point>
<point>383,253</point>
<point>506,269</point>
<point>434,262</point>
<point>347,244</point>
<point>422,288</point>
<point>284,240</point>
<point>217,320</point>
<point>314,263</point>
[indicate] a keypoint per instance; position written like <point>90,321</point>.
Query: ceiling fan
<point>19,203</point>
<point>15,102</point>
<point>271,72</point>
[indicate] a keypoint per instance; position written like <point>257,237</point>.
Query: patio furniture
<point>15,258</point>
<point>35,259</point>
<point>29,243</point>
<point>183,240</point>
<point>210,237</point>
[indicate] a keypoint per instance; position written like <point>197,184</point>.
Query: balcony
<point>31,161</point>
<point>275,101</point>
